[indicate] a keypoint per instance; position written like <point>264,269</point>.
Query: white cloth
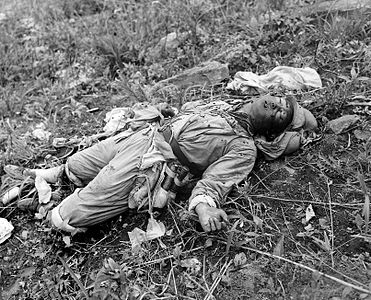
<point>201,199</point>
<point>289,77</point>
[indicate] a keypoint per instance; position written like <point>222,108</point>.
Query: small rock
<point>363,135</point>
<point>208,73</point>
<point>343,123</point>
<point>341,5</point>
<point>167,44</point>
<point>3,17</point>
<point>170,42</point>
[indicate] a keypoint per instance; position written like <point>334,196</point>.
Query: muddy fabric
<point>281,76</point>
<point>224,153</point>
<point>219,147</point>
<point>109,169</point>
<point>209,138</point>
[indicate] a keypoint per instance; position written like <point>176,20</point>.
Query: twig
<point>79,283</point>
<point>347,205</point>
<point>196,283</point>
<point>218,279</point>
<point>176,224</point>
<point>366,204</point>
<point>101,240</point>
<point>204,272</point>
<point>261,181</point>
<point>359,103</point>
<point>172,273</point>
<point>360,289</point>
<point>332,223</point>
<point>159,260</point>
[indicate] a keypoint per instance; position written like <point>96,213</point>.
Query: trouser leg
<point>106,195</point>
<point>83,166</point>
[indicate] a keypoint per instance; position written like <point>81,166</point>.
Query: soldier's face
<point>272,111</point>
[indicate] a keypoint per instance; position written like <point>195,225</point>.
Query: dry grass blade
<point>332,223</point>
<point>230,236</point>
<point>345,205</point>
<point>218,279</point>
<point>366,206</point>
<point>357,288</point>
<point>79,283</point>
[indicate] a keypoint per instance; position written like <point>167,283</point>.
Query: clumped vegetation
<point>64,64</point>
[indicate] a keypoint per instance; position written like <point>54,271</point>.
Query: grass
<point>57,56</point>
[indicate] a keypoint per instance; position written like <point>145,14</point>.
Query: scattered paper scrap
<point>155,229</point>
<point>5,230</point>
<point>309,213</point>
<point>10,195</point>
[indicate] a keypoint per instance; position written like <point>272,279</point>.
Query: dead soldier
<point>214,142</point>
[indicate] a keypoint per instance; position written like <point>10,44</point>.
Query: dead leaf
<point>177,252</point>
<point>258,222</point>
<point>10,195</point>
<point>240,259</point>
<point>137,237</point>
<point>346,291</point>
<point>155,229</point>
<point>279,249</point>
<point>28,272</point>
<point>208,243</point>
<point>366,206</point>
<point>44,191</point>
<point>193,265</point>
<point>323,223</point>
<point>309,213</point>
<point>40,133</point>
<point>67,240</point>
<point>325,245</point>
<point>327,241</point>
<point>5,230</point>
<point>309,227</point>
<point>24,234</point>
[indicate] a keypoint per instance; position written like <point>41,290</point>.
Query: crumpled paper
<point>5,230</point>
<point>155,229</point>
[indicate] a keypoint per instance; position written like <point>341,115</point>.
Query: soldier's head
<point>270,114</point>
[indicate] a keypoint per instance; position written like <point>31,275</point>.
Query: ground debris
<point>343,123</point>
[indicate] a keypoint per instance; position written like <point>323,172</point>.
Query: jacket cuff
<point>201,199</point>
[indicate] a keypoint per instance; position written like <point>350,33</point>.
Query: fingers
<point>206,227</point>
<point>224,216</point>
<point>212,219</point>
<point>212,222</point>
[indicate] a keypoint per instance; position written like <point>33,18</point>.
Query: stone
<point>341,6</point>
<point>3,18</point>
<point>362,135</point>
<point>208,73</point>
<point>167,44</point>
<point>343,123</point>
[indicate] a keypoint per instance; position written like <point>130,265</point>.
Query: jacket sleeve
<point>229,170</point>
